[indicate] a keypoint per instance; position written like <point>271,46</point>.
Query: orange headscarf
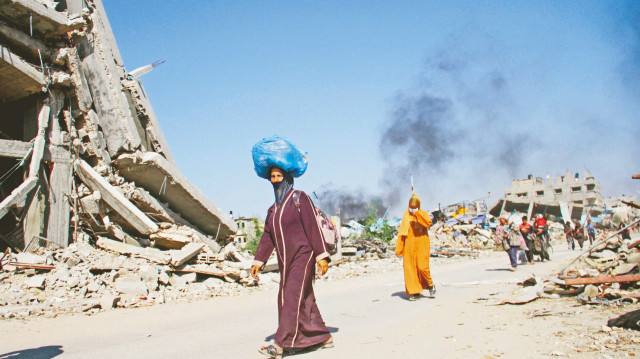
<point>406,218</point>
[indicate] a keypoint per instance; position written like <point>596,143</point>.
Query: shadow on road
<point>402,295</point>
<point>497,270</point>
<point>272,336</point>
<point>48,352</point>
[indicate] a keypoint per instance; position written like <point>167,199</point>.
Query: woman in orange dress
<point>414,246</point>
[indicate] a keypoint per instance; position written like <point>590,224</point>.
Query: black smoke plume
<point>352,204</point>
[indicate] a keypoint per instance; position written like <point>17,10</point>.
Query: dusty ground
<point>369,316</point>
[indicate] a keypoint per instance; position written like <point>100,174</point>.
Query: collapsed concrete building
<point>569,197</point>
<point>82,154</point>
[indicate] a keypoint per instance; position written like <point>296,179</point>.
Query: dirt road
<point>369,315</point>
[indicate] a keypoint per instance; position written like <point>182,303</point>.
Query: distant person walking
<point>414,247</point>
<point>526,231</point>
<point>626,234</point>
<point>568,233</point>
<point>578,233</point>
<point>509,240</point>
<point>591,232</point>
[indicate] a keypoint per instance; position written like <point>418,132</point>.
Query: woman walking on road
<point>292,230</point>
<point>509,240</point>
<point>414,246</point>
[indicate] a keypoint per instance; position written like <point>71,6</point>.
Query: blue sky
<point>476,92</point>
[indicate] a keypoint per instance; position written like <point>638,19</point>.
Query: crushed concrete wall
<point>82,154</point>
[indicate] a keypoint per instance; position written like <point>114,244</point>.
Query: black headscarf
<point>281,189</point>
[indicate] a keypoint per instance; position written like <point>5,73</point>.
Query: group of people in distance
<point>576,233</point>
<point>514,238</point>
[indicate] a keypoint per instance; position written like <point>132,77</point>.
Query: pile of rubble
<point>95,207</point>
<point>82,278</point>
<point>365,248</point>
<point>607,273</point>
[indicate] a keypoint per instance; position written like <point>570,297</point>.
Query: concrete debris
<point>604,274</point>
<point>84,278</point>
<point>365,248</point>
<point>93,160</point>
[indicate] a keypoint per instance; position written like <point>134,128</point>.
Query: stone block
<point>178,282</point>
<point>131,285</point>
<point>109,301</point>
<point>163,278</point>
<point>93,287</point>
<point>35,282</point>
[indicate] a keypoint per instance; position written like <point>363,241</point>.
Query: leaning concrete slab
<point>43,20</point>
<point>18,195</point>
<point>20,149</point>
<point>155,174</point>
<point>115,199</point>
<point>18,77</point>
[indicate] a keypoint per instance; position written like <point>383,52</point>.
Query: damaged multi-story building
<point>569,196</point>
<point>81,152</point>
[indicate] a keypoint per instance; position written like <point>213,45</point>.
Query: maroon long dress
<point>297,239</point>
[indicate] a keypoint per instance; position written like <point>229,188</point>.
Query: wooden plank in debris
<point>603,279</point>
<point>151,254</point>
<point>187,252</point>
<point>30,266</point>
<point>115,199</point>
<point>18,195</point>
<point>634,244</point>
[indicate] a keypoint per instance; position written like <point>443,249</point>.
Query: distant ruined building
<point>82,154</point>
<point>569,196</point>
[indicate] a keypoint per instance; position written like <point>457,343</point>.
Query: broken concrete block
<point>73,281</point>
<point>29,258</point>
<point>109,301</point>
<point>163,278</point>
<point>131,285</point>
<point>35,282</point>
<point>633,258</point>
<point>150,170</point>
<point>189,251</point>
<point>591,291</point>
<point>151,254</point>
<point>93,287</point>
<point>148,273</point>
<point>92,204</point>
<point>623,268</point>
<point>213,283</point>
<point>166,240</point>
<point>189,277</point>
<point>115,199</point>
<point>178,282</point>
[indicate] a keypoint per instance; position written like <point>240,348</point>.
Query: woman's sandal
<point>327,345</point>
<point>271,352</point>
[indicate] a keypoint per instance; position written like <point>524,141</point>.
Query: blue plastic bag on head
<point>277,151</point>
